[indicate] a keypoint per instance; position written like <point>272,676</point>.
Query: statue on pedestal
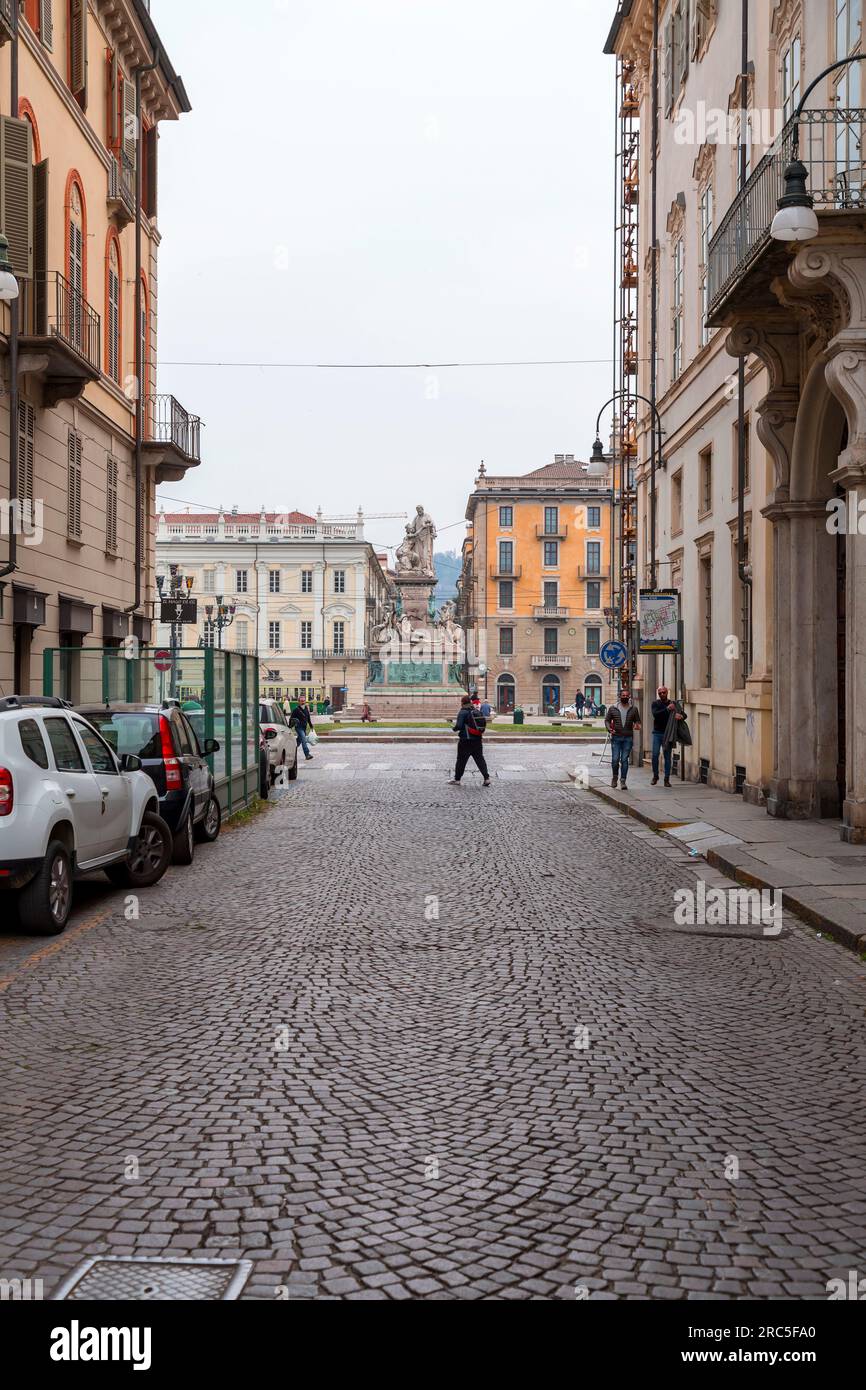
<point>415,552</point>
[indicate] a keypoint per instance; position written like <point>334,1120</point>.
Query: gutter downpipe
<point>138,73</point>
<point>14,326</point>
<point>743,570</point>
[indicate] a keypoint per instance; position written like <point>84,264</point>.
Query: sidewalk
<point>822,880</point>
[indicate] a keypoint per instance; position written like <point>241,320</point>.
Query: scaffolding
<point>627,156</point>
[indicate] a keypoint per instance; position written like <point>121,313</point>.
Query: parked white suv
<point>68,806</point>
<point>281,741</point>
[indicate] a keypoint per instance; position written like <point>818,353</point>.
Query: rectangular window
<point>506,593</point>
<point>77,49</point>
<point>209,633</point>
<point>705,470</point>
<point>274,581</point>
<point>339,638</point>
<point>551,521</point>
<point>551,593</point>
<point>677,309</point>
<point>274,636</point>
<point>506,516</point>
<point>593,641</point>
<point>551,554</point>
<point>306,637</point>
<point>111,472</point>
<point>506,557</point>
<point>790,76</point>
<point>209,583</point>
<point>339,581</point>
<point>735,450</point>
<point>242,581</point>
<point>593,594</point>
<point>242,635</point>
<point>551,641</point>
<point>506,641</point>
<point>593,517</point>
<point>75,454</point>
<point>676,503</point>
<point>307,676</point>
<point>706,599</point>
<point>306,581</point>
<point>113,323</point>
<point>706,232</point>
<point>593,557</point>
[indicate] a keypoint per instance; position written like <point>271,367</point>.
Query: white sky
<point>385,180</point>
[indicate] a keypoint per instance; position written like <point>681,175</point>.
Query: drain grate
<point>142,1280</point>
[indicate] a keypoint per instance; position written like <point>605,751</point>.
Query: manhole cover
<point>109,1277</point>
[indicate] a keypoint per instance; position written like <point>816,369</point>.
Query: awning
<point>28,606</point>
<point>76,616</point>
<point>114,623</point>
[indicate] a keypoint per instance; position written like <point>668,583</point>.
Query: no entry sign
<point>162,660</point>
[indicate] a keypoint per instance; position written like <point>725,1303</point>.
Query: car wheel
<point>149,857</point>
<point>45,902</point>
<point>183,844</point>
<point>208,827</point>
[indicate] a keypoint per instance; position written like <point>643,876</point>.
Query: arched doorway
<point>505,694</point>
<point>592,689</point>
<point>549,694</point>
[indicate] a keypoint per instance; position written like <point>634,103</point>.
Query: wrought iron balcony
<point>557,533</point>
<point>121,189</point>
<point>172,441</point>
<point>551,661</point>
<point>61,336</point>
<point>340,654</point>
<point>550,611</point>
<point>587,572</point>
<point>831,147</point>
<point>514,573</point>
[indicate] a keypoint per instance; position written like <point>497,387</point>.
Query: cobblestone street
<point>397,1039</point>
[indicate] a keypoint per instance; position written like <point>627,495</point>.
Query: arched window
<point>76,260</point>
<point>113,281</point>
<point>505,693</point>
<point>549,694</point>
<point>592,689</point>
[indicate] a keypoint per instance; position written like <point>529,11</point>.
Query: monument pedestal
<point>416,592</point>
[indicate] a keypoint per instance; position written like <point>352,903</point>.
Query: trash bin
<point>518,716</point>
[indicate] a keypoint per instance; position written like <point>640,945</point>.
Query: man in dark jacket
<point>622,722</point>
<point>662,709</point>
<point>469,728</point>
<point>300,720</point>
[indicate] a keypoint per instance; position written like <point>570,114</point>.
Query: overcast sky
<point>385,181</point>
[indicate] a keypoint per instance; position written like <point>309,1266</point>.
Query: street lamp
<point>8,281</point>
<point>597,457</point>
<point>795,219</point>
<point>225,616</point>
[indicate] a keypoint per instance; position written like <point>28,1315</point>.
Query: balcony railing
<point>831,147</point>
<point>547,610</point>
<point>588,572</point>
<point>496,572</point>
<point>51,307</point>
<point>340,654</point>
<point>121,184</point>
<point>550,661</point>
<point>166,422</point>
<point>556,533</point>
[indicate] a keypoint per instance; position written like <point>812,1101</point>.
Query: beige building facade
<point>535,583</point>
<point>86,333</point>
<point>305,594</point>
<point>774,654</point>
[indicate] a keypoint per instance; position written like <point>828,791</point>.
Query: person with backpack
<point>469,728</point>
<point>623,722</point>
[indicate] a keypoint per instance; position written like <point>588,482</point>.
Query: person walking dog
<point>623,722</point>
<point>300,720</point>
<point>469,728</point>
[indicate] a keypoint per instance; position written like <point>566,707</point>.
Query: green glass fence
<point>218,691</point>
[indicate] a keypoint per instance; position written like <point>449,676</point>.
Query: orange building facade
<point>535,584</point>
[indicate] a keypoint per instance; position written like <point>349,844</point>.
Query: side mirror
<point>211,746</point>
<point>270,733</point>
<point>130,762</point>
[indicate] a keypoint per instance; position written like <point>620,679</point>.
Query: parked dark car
<point>171,754</point>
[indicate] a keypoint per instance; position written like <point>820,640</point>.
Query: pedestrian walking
<point>578,704</point>
<point>623,722</point>
<point>662,709</point>
<point>367,714</point>
<point>300,720</point>
<point>469,728</point>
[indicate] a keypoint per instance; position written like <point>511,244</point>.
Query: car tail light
<point>6,792</point>
<point>173,779</point>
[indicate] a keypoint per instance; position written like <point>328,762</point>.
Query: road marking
<point>513,767</point>
<point>46,951</point>
<point>335,767</point>
<point>378,767</point>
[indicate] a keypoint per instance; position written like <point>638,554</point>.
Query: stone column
<point>318,604</point>
<point>262,645</point>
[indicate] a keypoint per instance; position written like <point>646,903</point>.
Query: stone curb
<point>717,859</point>
<point>394,736</point>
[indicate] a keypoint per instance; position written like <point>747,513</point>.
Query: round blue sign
<point>614,654</point>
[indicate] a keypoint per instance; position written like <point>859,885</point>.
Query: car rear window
<point>32,742</point>
<point>129,733</point>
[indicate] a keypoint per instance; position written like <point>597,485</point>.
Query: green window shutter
<point>78,51</point>
<point>46,23</point>
<point>40,246</point>
<point>73,485</point>
<point>26,450</point>
<point>151,139</point>
<point>16,192</point>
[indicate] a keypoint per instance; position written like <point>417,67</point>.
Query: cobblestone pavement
<point>395,1039</point>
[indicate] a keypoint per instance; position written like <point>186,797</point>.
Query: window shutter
<point>114,80</point>
<point>46,23</point>
<point>26,450</point>
<point>683,57</point>
<point>73,486</point>
<point>78,51</point>
<point>16,192</point>
<point>669,66</point>
<point>111,505</point>
<point>129,134</point>
<point>40,246</point>
<point>149,183</point>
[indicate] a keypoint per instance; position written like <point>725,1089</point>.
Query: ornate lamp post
<point>220,615</point>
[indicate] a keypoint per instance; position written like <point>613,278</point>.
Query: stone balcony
<point>552,661</point>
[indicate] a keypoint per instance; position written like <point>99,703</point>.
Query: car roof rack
<point>33,702</point>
